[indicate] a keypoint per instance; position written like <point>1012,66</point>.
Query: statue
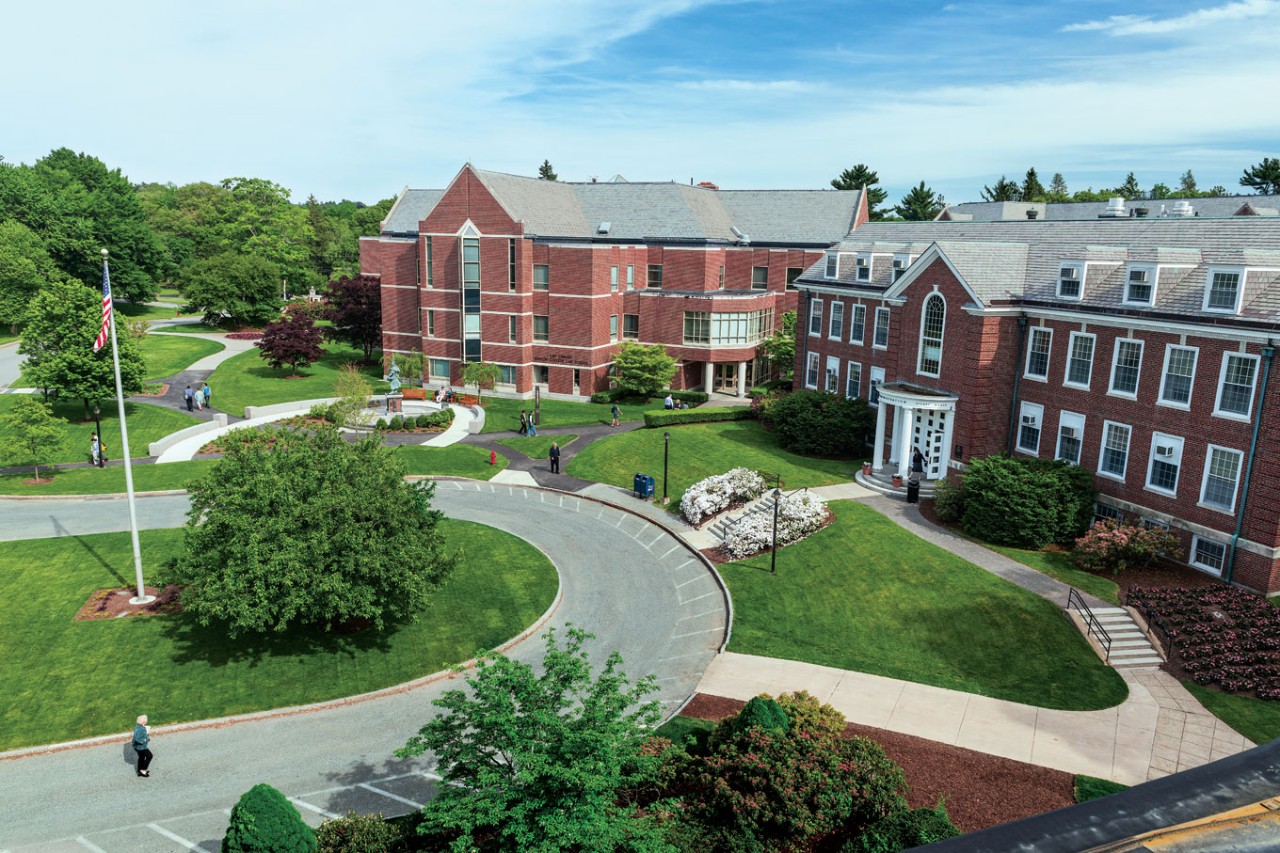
<point>393,376</point>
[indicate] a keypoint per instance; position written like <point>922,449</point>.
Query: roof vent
<point>742,238</point>
<point>1182,207</point>
<point>1115,209</point>
<point>1032,213</point>
<point>603,227</point>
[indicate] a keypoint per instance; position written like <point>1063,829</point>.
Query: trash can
<point>637,486</point>
<point>913,491</point>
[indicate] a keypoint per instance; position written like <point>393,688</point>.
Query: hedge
<point>613,395</point>
<point>672,417</point>
<point>1027,503</point>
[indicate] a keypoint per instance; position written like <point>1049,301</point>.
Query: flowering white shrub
<point>714,494</point>
<point>798,516</point>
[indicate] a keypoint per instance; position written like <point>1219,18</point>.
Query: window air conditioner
<point>1029,420</point>
<point>1164,450</point>
<point>1068,432</point>
<point>864,262</point>
<point>1069,274</point>
<point>1139,276</point>
<point>899,264</point>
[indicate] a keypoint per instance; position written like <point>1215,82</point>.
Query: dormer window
<point>833,265</point>
<point>1223,291</point>
<point>900,264</point>
<point>864,267</point>
<point>1140,285</point>
<point>1070,277</point>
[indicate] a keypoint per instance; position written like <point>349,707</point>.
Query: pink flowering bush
<point>1110,546</point>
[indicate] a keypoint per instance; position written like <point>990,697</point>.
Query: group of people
<point>670,403</point>
<point>445,394</point>
<point>197,398</point>
<point>527,425</point>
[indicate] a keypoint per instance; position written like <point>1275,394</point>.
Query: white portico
<point>923,419</point>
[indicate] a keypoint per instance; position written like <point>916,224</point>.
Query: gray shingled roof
<point>410,208</point>
<point>1020,259</point>
<point>1219,206</point>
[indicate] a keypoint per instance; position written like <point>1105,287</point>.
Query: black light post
<point>773,560</point>
<point>666,452</point>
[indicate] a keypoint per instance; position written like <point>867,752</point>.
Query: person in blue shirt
<point>141,745</point>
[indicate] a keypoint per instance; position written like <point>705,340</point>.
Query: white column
<point>877,452</point>
<point>742,379</point>
<point>708,377</point>
<point>904,441</point>
<point>944,458</point>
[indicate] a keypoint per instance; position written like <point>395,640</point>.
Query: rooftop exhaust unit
<point>603,227</point>
<point>742,238</point>
<point>1182,207</point>
<point>1115,209</point>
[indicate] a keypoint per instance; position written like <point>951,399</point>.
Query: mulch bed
<point>979,790</point>
<point>114,603</point>
<point>163,386</point>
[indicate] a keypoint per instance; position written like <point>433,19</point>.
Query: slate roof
<point>1019,260</point>
<point>653,211</point>
<point>1216,207</point>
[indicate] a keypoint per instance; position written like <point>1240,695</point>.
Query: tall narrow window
<point>881,340</point>
<point>857,323</point>
<point>720,279</point>
<point>1165,464</point>
<point>1221,473</point>
<point>541,328</point>
<point>1115,450</point>
<point>833,374</point>
<point>1079,360</point>
<point>613,327</point>
<point>541,277</point>
<point>1038,353</point>
<point>853,380</point>
<point>631,277</point>
<point>511,264</point>
<point>613,279</point>
<point>511,328</point>
<point>430,258</point>
<point>833,264</point>
<point>655,276</point>
<point>815,317</point>
<point>811,371</point>
<point>431,323</point>
<point>931,328</point>
<point>1029,428</point>
<point>471,299</point>
<point>1126,367</point>
<point>631,326</point>
<point>1179,375</point>
<point>1235,386</point>
<point>1070,437</point>
<point>837,321</point>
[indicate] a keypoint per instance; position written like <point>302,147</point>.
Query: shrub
<point>663,417</point>
<point>381,425</point>
<point>326,412</point>
<point>716,493</point>
<point>772,385</point>
<point>357,833</point>
<point>1110,546</point>
<point>263,821</point>
<point>1091,788</point>
<point>760,712</point>
<point>423,420</point>
<point>810,717</point>
<point>948,498</point>
<point>904,830</point>
<point>1027,503</point>
<point>819,423</point>
<point>695,398</point>
<point>798,516</point>
<point>613,395</point>
<point>397,423</point>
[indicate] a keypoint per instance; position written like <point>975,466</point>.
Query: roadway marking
<point>661,534</point>
<point>693,579</point>
<point>316,809</point>
<point>621,518</point>
<point>176,838</point>
<point>696,633</point>
<point>674,548</point>
<point>636,535</point>
<point>88,845</point>
<point>689,655</point>
<point>389,795</point>
<point>699,615</point>
<point>690,601</point>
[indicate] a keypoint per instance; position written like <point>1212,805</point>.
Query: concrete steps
<point>1130,647</point>
<point>720,527</point>
<point>882,482</point>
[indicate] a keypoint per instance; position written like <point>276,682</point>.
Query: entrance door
<point>929,434</point>
<point>727,378</point>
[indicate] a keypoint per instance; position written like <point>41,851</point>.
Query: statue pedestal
<point>395,403</point>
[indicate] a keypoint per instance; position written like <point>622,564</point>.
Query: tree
<point>482,375</point>
<point>1090,194</point>
<point>1129,189</point>
<point>537,762</point>
<point>353,391</point>
<point>1057,188</point>
<point>820,423</point>
<point>1160,190</point>
<point>355,307</point>
<point>643,371</point>
<point>304,529</point>
<point>1187,185</point>
<point>410,364</point>
<point>292,341</point>
<point>546,172</point>
<point>1263,178</point>
<point>263,223</point>
<point>1032,189</point>
<point>58,341</point>
<point>236,289</point>
<point>1027,503</point>
<point>861,176</point>
<point>780,346</point>
<point>1004,190</point>
<point>264,821</point>
<point>31,430</point>
<point>25,267</point>
<point>920,205</point>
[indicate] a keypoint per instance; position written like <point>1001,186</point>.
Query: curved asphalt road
<point>638,588</point>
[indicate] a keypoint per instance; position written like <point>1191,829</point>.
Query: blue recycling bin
<point>642,486</point>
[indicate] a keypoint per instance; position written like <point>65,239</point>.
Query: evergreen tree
<point>858,177</point>
<point>1187,187</point>
<point>1058,188</point>
<point>264,821</point>
<point>1129,189</point>
<point>1003,190</point>
<point>920,205</point>
<point>1160,190</point>
<point>1032,189</point>
<point>1263,178</point>
<point>546,172</point>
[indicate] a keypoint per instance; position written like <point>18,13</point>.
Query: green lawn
<point>93,678</point>
<point>138,311</point>
<point>167,355</point>
<point>108,481</point>
<point>697,452</point>
<point>1256,719</point>
<point>866,595</point>
<point>190,329</point>
<point>246,379</point>
<point>538,446</point>
<point>1059,566</point>
<point>147,423</point>
<point>6,339</point>
<point>456,460</point>
<point>503,415</point>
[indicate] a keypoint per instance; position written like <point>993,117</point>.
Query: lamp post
<point>773,559</point>
<point>666,452</point>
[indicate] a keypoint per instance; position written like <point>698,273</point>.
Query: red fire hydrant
<point>493,457</point>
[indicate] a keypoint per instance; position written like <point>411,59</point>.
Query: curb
<point>108,496</point>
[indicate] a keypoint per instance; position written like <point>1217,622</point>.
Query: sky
<point>349,100</point>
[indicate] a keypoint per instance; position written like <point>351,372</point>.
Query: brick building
<point>546,279</point>
<point>1137,346</point>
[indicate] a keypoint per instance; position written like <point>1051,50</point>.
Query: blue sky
<point>347,100</point>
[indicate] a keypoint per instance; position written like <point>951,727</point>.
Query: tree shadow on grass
<point>212,645</point>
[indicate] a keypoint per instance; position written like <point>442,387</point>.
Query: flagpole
<point>142,597</point>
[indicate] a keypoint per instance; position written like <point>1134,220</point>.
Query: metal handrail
<point>1091,622</point>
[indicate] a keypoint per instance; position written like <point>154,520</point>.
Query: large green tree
<point>539,761</point>
<point>1129,189</point>
<point>862,176</point>
<point>25,268</point>
<point>780,346</point>
<point>31,431</point>
<point>265,224</point>
<point>232,289</point>
<point>481,375</point>
<point>1003,190</point>
<point>1263,178</point>
<point>920,205</point>
<point>643,371</point>
<point>305,529</point>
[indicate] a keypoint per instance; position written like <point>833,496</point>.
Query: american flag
<point>106,310</point>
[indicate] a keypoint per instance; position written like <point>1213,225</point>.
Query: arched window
<point>932,321</point>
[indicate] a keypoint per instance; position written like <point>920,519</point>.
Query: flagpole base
<point>138,602</point>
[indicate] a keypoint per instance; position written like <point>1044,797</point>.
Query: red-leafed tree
<point>293,341</point>
<point>355,307</point>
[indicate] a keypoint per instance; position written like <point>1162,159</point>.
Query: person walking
<point>617,415</point>
<point>190,397</point>
<point>917,464</point>
<point>533,428</point>
<point>524,423</point>
<point>555,458</point>
<point>207,393</point>
<point>95,451</point>
<point>142,744</point>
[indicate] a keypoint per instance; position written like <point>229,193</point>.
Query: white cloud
<point>1129,25</point>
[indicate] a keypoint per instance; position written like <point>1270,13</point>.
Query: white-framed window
<point>836,330</point>
<point>815,317</point>
<point>1103,511</point>
<point>873,387</point>
<point>1070,280</point>
<point>431,323</point>
<point>1223,290</point>
<point>430,264</point>
<point>541,328</point>
<point>613,327</point>
<point>811,371</point>
<point>933,318</point>
<point>832,379</point>
<point>833,265</point>
<point>881,339</point>
<point>438,368</point>
<point>863,264</point>
<point>1038,353</point>
<point>1139,284</point>
<point>759,278</point>
<point>613,279</point>
<point>900,264</point>
<point>857,323</point>
<point>1079,360</point>
<point>1179,375</point>
<point>1114,458</point>
<point>1235,385</point>
<point>1070,437</point>
<point>1221,476</point>
<point>1165,464</point>
<point>631,276</point>
<point>1126,367</point>
<point>1208,554</point>
<point>1031,417</point>
<point>541,277</point>
<point>853,379</point>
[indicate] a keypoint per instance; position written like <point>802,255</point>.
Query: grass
<point>191,329</point>
<point>139,311</point>
<point>1059,566</point>
<point>537,447</point>
<point>93,678</point>
<point>1088,788</point>
<point>246,379</point>
<point>1256,719</point>
<point>167,356</point>
<point>8,339</point>
<point>456,460</point>
<point>698,451</point>
<point>503,415</point>
<point>108,481</point>
<point>147,423</point>
<point>866,595</point>
<point>678,729</point>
